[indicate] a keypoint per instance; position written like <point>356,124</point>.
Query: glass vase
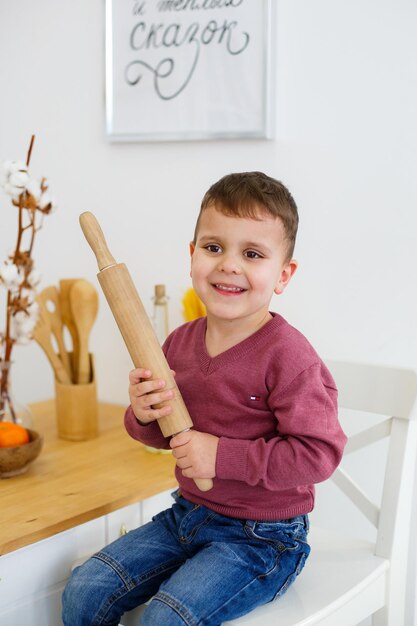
<point>10,409</point>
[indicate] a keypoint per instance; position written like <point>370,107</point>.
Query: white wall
<point>346,137</point>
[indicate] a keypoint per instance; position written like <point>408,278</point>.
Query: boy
<point>264,408</point>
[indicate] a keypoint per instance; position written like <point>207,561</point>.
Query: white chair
<point>347,580</point>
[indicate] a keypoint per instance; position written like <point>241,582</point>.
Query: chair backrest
<point>376,389</point>
<point>390,392</point>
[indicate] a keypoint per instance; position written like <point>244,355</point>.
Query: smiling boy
<point>238,262</point>
<point>264,408</point>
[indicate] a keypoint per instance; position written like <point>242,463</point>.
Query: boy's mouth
<point>228,289</point>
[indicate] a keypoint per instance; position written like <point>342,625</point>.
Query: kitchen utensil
<point>42,335</point>
<point>83,299</point>
<point>65,285</point>
<point>50,299</point>
<point>136,328</point>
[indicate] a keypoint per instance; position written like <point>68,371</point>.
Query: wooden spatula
<point>50,299</point>
<point>84,306</point>
<point>42,335</point>
<point>65,285</point>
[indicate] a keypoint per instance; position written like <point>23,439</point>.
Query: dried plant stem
<point>20,230</point>
<point>34,230</point>
<point>8,340</point>
<point>30,150</point>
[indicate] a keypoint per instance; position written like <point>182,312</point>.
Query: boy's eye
<point>252,254</point>
<point>213,247</point>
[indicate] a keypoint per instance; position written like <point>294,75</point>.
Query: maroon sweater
<point>272,402</point>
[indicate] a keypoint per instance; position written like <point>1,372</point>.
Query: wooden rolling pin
<point>136,329</point>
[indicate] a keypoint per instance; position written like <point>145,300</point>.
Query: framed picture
<point>188,69</point>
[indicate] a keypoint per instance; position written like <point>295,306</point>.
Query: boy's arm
<point>149,434</point>
<point>309,442</point>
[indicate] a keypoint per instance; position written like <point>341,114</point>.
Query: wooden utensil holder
<point>77,409</point>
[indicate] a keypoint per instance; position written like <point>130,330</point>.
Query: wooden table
<point>73,482</point>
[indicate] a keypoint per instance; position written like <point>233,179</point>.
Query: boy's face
<point>237,263</point>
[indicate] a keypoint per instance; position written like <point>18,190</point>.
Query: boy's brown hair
<point>244,194</point>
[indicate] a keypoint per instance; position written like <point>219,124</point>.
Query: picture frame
<point>189,70</point>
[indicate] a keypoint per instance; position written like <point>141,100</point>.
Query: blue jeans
<point>199,568</point>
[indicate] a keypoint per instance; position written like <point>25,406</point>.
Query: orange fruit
<point>12,435</point>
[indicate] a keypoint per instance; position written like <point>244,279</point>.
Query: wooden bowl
<point>14,461</point>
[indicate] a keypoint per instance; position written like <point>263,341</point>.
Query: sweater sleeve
<point>309,442</point>
<point>150,434</point>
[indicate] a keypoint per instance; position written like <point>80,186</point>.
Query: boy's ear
<point>285,276</point>
<point>192,248</point>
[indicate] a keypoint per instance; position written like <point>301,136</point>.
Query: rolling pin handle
<point>95,237</point>
<point>204,484</point>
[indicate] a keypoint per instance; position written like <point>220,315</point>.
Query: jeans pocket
<point>288,534</point>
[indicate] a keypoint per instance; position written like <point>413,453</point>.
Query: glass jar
<point>10,409</point>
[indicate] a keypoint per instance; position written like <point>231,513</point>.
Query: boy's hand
<point>144,392</point>
<point>195,453</point>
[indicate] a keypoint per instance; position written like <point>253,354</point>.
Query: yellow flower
<point>192,306</point>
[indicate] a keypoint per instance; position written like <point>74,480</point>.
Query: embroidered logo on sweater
<point>255,398</point>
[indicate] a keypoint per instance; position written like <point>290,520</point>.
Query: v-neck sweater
<point>273,404</point>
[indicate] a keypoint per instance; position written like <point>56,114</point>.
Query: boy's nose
<point>229,264</point>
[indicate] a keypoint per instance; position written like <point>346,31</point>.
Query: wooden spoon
<point>42,335</point>
<point>50,299</point>
<point>64,300</point>
<point>84,306</point>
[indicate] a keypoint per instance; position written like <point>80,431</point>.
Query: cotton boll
<point>28,295</point>
<point>15,170</point>
<point>13,191</point>
<point>27,319</point>
<point>33,187</point>
<point>16,184</point>
<point>29,325</point>
<point>19,318</point>
<point>47,203</point>
<point>21,327</point>
<point>15,166</point>
<point>10,275</point>
<point>44,200</point>
<point>34,278</point>
<point>21,334</point>
<point>18,179</point>
<point>33,310</point>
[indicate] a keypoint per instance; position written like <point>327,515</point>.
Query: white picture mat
<point>217,61</point>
